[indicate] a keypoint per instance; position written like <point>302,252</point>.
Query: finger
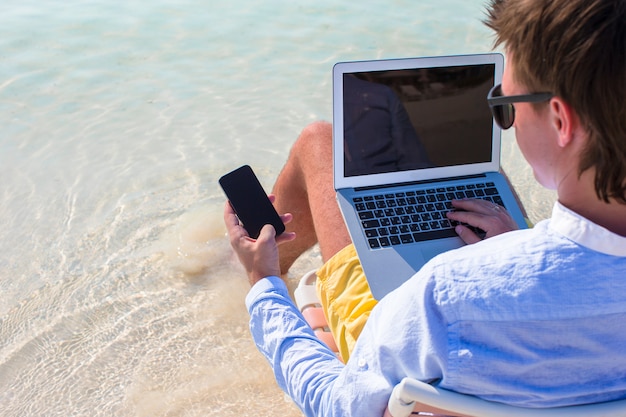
<point>285,237</point>
<point>481,221</point>
<point>268,233</point>
<point>230,218</point>
<point>286,218</point>
<point>473,204</point>
<point>234,229</point>
<point>466,235</point>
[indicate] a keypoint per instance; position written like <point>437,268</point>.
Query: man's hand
<point>485,215</point>
<point>259,257</point>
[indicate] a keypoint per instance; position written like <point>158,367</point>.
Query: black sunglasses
<point>502,106</point>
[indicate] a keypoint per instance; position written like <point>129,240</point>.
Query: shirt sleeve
<point>391,347</point>
<point>304,367</point>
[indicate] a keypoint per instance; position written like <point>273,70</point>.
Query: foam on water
<point>119,294</point>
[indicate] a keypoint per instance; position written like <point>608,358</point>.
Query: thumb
<point>466,234</point>
<point>267,233</point>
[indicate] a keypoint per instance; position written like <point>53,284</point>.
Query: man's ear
<point>565,121</point>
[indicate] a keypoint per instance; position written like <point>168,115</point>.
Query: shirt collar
<point>586,233</point>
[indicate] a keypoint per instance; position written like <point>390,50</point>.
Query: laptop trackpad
<point>390,270</point>
<point>400,263</point>
<point>434,248</point>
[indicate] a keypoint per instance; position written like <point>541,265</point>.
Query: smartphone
<point>250,202</point>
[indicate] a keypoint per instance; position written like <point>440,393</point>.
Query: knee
<point>318,129</point>
<point>315,139</point>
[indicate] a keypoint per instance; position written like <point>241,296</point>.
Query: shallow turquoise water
<point>118,293</point>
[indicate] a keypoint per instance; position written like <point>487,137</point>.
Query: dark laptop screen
<point>402,120</point>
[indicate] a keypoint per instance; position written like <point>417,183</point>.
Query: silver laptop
<point>409,135</point>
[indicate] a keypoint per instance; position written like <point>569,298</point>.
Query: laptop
<point>409,135</point>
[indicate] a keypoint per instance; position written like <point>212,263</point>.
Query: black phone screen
<point>249,200</point>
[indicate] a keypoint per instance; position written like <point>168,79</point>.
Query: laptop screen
<point>411,119</point>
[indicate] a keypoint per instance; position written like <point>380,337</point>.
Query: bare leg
<point>305,188</point>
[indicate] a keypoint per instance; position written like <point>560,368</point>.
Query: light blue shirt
<point>534,317</point>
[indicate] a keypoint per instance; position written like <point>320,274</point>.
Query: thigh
<point>315,158</point>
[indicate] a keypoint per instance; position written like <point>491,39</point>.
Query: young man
<point>533,317</point>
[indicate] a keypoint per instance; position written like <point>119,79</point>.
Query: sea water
<point>119,294</point>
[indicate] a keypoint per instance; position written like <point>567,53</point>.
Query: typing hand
<point>258,256</point>
<point>490,217</point>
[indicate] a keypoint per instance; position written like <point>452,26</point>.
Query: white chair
<point>307,301</point>
<point>411,397</point>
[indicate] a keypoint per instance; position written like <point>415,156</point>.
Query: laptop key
<point>374,243</point>
<point>371,224</point>
<point>406,239</point>
<point>434,234</point>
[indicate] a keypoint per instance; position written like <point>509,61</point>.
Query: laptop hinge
<point>434,181</point>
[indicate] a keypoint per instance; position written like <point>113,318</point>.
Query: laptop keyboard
<point>390,219</point>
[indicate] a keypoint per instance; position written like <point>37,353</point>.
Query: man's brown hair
<point>575,49</point>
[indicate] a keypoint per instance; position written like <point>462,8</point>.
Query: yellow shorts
<point>345,297</point>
